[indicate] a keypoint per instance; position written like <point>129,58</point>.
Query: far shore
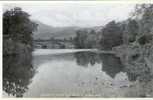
<point>61,51</point>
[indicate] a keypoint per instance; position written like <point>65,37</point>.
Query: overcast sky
<point>76,14</point>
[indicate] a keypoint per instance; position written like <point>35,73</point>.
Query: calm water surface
<point>80,73</point>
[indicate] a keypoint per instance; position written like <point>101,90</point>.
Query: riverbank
<point>136,56</point>
<point>138,62</point>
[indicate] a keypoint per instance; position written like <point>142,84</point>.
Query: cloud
<point>76,14</point>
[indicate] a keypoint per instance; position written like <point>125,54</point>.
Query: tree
<point>18,26</point>
<point>17,48</point>
<point>86,39</point>
<point>80,39</point>
<point>91,39</point>
<point>144,13</point>
<point>111,35</point>
<point>131,30</point>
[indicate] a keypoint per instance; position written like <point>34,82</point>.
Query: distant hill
<point>46,32</point>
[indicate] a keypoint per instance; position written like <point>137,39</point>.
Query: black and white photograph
<point>77,50</point>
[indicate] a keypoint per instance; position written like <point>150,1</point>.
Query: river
<point>78,73</point>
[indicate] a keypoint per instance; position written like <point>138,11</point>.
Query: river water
<point>78,73</point>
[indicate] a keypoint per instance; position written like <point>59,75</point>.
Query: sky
<point>76,14</point>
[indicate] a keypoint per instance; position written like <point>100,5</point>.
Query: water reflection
<point>76,71</point>
<point>137,72</point>
<point>85,58</point>
<point>110,63</point>
<point>17,74</point>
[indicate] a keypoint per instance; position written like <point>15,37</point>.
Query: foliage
<point>136,52</point>
<point>17,49</point>
<point>134,55</point>
<point>85,39</point>
<point>18,26</point>
<point>143,13</point>
<point>130,32</point>
<point>111,36</point>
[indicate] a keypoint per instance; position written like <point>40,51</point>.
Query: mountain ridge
<point>46,31</point>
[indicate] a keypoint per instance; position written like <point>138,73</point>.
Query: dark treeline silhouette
<point>17,51</point>
<point>111,36</point>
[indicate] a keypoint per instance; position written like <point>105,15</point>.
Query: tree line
<point>137,28</point>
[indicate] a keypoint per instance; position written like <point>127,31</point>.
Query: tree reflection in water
<point>110,63</point>
<point>17,72</point>
<point>138,73</point>
<point>85,58</point>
